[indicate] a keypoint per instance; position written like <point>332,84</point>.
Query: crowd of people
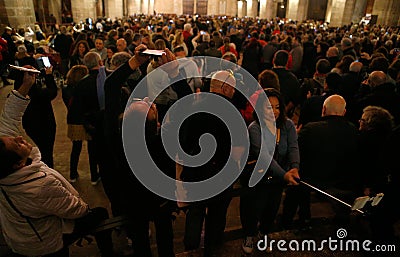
<point>329,97</point>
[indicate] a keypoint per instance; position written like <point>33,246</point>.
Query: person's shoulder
<point>254,126</point>
<point>289,123</point>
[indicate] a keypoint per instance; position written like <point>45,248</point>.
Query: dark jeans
<point>260,204</point>
<point>64,66</point>
<point>213,211</point>
<point>138,231</point>
<point>74,159</point>
<point>83,227</point>
<point>296,196</point>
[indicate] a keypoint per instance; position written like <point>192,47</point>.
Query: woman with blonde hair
<point>179,41</point>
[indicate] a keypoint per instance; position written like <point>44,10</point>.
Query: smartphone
<point>43,62</point>
<point>46,61</point>
<point>202,32</point>
<point>152,52</point>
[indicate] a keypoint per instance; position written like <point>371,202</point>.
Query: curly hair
<point>377,118</point>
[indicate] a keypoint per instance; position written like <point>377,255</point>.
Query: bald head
<point>334,105</point>
<point>355,67</point>
<point>121,44</point>
<point>223,82</point>
<point>332,51</point>
<point>377,78</point>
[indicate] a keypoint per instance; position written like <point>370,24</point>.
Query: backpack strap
<point>28,219</point>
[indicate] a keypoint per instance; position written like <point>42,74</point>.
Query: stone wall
<point>20,13</point>
<point>348,11</point>
<point>17,13</point>
<point>113,8</point>
<point>297,10</point>
<point>335,12</point>
<point>359,10</point>
<point>83,9</point>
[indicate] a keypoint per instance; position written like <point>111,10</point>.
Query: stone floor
<point>95,196</point>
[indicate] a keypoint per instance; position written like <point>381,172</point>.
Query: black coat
<point>39,117</point>
<point>328,153</point>
<point>122,180</point>
<point>290,86</point>
<point>84,106</point>
<point>371,145</point>
<point>62,44</point>
<point>383,96</point>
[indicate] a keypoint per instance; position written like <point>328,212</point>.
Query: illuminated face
<point>81,49</point>
<point>273,106</point>
<point>18,145</point>
<point>121,45</point>
<point>109,53</point>
<point>99,44</point>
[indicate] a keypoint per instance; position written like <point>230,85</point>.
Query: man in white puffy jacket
<point>40,212</point>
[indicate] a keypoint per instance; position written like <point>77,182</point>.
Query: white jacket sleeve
<point>11,117</point>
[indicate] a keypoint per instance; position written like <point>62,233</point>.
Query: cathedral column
<point>18,14</point>
<point>387,11</point>
<point>297,10</point>
<point>348,11</point>
<point>263,9</point>
<point>252,8</point>
<point>178,7</point>
<point>335,12</point>
<point>55,9</point>
<point>134,7</point>
<point>222,7</point>
<point>241,7</point>
<point>113,8</point>
<point>359,10</point>
<point>231,7</point>
<point>145,6</point>
<point>213,7</point>
<point>84,9</point>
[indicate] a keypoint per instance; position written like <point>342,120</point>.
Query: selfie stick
<point>329,195</point>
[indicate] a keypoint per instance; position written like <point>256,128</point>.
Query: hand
<point>172,69</point>
<point>292,176</point>
<point>27,82</point>
<point>138,59</point>
<point>49,70</point>
<point>29,77</point>
<point>298,128</point>
<point>365,56</point>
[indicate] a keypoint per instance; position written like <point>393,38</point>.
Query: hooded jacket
<point>36,194</point>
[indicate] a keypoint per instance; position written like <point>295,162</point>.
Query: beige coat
<point>38,192</point>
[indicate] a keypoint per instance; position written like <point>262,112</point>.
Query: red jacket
<point>3,47</point>
<point>231,49</point>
